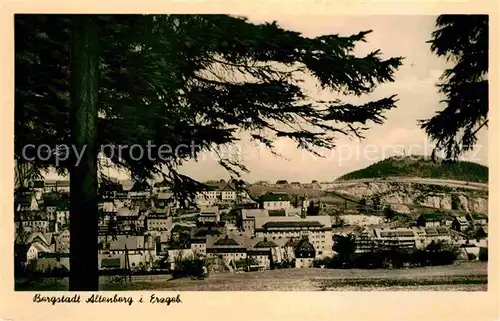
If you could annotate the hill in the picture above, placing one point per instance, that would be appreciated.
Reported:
(422, 167)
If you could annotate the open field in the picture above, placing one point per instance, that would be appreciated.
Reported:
(463, 276)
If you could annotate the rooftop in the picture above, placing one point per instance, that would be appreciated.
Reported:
(431, 217)
(284, 224)
(273, 197)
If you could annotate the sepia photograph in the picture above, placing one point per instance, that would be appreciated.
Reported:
(223, 152)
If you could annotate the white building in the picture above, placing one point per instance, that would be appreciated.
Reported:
(317, 229)
(275, 201)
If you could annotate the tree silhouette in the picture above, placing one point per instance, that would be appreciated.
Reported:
(345, 246)
(463, 39)
(195, 80)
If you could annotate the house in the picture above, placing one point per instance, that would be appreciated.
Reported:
(43, 238)
(477, 219)
(429, 220)
(158, 222)
(275, 201)
(32, 222)
(262, 253)
(460, 223)
(28, 202)
(230, 248)
(436, 234)
(62, 214)
(209, 215)
(62, 242)
(199, 238)
(164, 199)
(126, 218)
(248, 203)
(230, 218)
(34, 250)
(228, 193)
(139, 249)
(304, 253)
(246, 219)
(365, 241)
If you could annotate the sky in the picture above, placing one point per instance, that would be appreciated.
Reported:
(414, 85)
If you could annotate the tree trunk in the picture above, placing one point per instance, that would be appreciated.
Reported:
(83, 176)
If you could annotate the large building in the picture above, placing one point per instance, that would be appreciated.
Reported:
(318, 230)
(275, 201)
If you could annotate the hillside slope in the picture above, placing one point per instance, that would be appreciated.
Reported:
(423, 167)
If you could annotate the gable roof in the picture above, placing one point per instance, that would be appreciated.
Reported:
(226, 241)
(40, 247)
(265, 244)
(431, 217)
(274, 197)
(303, 245)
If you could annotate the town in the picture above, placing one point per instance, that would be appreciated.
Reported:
(142, 227)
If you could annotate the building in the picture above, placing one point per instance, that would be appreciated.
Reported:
(158, 222)
(365, 241)
(317, 229)
(141, 252)
(209, 215)
(199, 238)
(31, 222)
(62, 242)
(126, 218)
(436, 234)
(305, 253)
(261, 254)
(28, 203)
(228, 193)
(246, 219)
(460, 223)
(275, 201)
(62, 214)
(165, 199)
(34, 250)
(429, 220)
(226, 248)
(397, 237)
